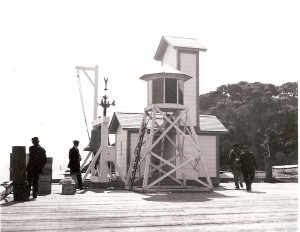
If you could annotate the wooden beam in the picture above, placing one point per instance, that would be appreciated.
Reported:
(92, 163)
(161, 165)
(87, 75)
(175, 168)
(147, 165)
(119, 171)
(172, 165)
(163, 171)
(180, 131)
(87, 157)
(85, 68)
(180, 150)
(172, 124)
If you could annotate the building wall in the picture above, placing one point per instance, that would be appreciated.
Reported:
(121, 148)
(209, 150)
(188, 63)
(170, 57)
(208, 146)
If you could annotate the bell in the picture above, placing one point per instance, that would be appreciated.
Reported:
(95, 141)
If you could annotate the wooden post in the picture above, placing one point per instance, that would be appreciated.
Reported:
(104, 145)
(18, 164)
(96, 93)
(268, 168)
(18, 173)
(148, 155)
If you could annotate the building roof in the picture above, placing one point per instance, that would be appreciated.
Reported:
(165, 71)
(177, 42)
(132, 121)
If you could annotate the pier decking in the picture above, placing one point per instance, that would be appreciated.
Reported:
(269, 207)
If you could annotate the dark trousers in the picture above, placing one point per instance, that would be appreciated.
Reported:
(79, 178)
(33, 181)
(237, 175)
(248, 178)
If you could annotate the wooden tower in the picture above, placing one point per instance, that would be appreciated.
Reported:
(159, 156)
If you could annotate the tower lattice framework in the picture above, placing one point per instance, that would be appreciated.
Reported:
(166, 123)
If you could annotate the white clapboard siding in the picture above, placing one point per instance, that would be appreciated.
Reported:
(188, 65)
(121, 148)
(208, 148)
(170, 57)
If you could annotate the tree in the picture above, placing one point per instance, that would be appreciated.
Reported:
(263, 116)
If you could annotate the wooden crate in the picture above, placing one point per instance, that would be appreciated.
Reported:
(45, 178)
(47, 170)
(68, 189)
(44, 187)
(74, 177)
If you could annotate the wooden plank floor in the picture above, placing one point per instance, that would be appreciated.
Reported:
(269, 207)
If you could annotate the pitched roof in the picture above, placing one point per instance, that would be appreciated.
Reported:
(177, 42)
(165, 71)
(132, 121)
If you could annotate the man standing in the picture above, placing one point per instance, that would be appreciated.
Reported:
(36, 163)
(248, 166)
(74, 162)
(234, 156)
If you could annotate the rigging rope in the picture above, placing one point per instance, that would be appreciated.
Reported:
(82, 103)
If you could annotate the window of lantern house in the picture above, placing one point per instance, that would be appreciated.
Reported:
(165, 90)
(158, 91)
(171, 90)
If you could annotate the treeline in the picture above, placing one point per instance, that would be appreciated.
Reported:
(262, 116)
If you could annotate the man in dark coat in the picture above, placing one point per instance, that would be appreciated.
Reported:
(36, 163)
(248, 166)
(234, 156)
(74, 162)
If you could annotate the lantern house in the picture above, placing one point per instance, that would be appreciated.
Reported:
(166, 86)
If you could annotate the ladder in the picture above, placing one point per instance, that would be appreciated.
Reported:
(137, 153)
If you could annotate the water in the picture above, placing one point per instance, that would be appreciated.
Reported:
(57, 170)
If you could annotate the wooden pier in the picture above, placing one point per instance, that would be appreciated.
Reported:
(269, 207)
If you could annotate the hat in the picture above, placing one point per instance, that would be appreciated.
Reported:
(245, 146)
(75, 141)
(35, 139)
(236, 145)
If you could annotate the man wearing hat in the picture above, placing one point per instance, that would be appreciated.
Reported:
(248, 166)
(36, 163)
(234, 156)
(74, 162)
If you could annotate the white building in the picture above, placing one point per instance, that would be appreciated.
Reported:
(173, 88)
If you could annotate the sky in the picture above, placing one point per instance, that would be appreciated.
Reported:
(42, 42)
